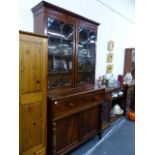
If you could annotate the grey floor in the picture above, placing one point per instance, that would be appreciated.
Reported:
(118, 139)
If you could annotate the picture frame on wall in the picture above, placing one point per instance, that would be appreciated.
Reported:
(109, 69)
(110, 57)
(111, 44)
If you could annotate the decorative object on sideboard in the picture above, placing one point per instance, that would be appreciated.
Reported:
(121, 79)
(128, 78)
(117, 110)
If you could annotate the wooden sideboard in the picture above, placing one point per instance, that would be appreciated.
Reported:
(110, 102)
(73, 119)
(126, 101)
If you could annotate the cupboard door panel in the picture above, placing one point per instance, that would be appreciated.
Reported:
(33, 126)
(41, 152)
(33, 95)
(90, 122)
(31, 72)
(67, 132)
(33, 152)
(105, 113)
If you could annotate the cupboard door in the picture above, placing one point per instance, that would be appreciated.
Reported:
(67, 133)
(33, 95)
(90, 122)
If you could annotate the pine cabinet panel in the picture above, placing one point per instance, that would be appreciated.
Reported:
(32, 125)
(41, 152)
(33, 94)
(31, 72)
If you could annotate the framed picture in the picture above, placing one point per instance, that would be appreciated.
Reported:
(109, 69)
(110, 57)
(111, 45)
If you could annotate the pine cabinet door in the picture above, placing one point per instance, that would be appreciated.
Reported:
(32, 95)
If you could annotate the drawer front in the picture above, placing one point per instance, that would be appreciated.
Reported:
(59, 107)
(73, 103)
(91, 99)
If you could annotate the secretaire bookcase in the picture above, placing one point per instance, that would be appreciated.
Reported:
(74, 105)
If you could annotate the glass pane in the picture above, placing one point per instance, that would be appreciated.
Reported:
(86, 56)
(54, 26)
(60, 51)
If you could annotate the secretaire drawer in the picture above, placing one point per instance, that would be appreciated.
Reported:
(90, 99)
(75, 103)
(62, 106)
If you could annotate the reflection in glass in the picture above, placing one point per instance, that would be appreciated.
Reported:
(60, 49)
(86, 56)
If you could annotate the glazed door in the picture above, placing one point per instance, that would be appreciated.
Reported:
(32, 85)
(86, 56)
(60, 53)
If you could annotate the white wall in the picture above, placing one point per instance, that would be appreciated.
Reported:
(116, 18)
